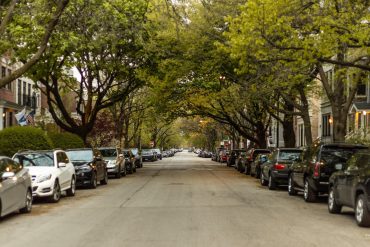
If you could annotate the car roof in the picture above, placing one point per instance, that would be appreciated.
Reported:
(78, 149)
(38, 151)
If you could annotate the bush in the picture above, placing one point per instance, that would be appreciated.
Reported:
(65, 140)
(16, 138)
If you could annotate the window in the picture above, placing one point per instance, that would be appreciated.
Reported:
(10, 85)
(10, 119)
(62, 157)
(301, 135)
(3, 71)
(326, 122)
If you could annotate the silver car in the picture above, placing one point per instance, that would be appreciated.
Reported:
(15, 187)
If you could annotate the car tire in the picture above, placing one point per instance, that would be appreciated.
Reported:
(119, 173)
(308, 194)
(131, 170)
(104, 181)
(94, 181)
(291, 188)
(333, 206)
(362, 213)
(271, 183)
(262, 180)
(28, 203)
(55, 197)
(72, 190)
(247, 170)
(134, 168)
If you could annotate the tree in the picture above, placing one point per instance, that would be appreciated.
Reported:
(106, 52)
(25, 30)
(308, 34)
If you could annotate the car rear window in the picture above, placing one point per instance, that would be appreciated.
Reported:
(289, 154)
(337, 154)
(108, 152)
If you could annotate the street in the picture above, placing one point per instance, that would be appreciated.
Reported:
(182, 201)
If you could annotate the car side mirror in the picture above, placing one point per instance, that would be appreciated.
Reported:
(7, 175)
(338, 167)
(62, 164)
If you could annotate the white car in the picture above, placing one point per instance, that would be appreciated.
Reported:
(51, 173)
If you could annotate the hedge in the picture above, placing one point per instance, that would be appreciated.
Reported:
(65, 140)
(17, 138)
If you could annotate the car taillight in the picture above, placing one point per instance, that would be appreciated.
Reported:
(278, 166)
(316, 170)
(250, 158)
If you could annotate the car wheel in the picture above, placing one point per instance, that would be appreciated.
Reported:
(271, 183)
(119, 172)
(291, 189)
(333, 206)
(308, 194)
(262, 180)
(94, 181)
(258, 174)
(104, 181)
(55, 197)
(247, 170)
(362, 213)
(131, 170)
(72, 191)
(28, 203)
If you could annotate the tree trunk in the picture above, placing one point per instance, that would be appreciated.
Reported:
(288, 127)
(261, 136)
(339, 124)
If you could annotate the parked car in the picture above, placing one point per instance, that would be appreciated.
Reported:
(223, 155)
(251, 155)
(350, 186)
(129, 160)
(240, 161)
(115, 166)
(256, 165)
(234, 153)
(138, 158)
(15, 187)
(310, 173)
(148, 155)
(158, 153)
(218, 152)
(90, 166)
(51, 173)
(275, 171)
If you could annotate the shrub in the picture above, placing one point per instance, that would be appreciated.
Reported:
(65, 140)
(16, 138)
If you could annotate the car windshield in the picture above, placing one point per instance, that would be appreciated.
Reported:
(108, 152)
(35, 159)
(80, 155)
(289, 154)
(147, 152)
(135, 151)
(157, 150)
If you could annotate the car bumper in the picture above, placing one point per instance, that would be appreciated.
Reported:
(43, 189)
(319, 186)
(112, 170)
(83, 178)
(280, 177)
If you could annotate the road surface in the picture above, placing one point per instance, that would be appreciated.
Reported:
(182, 201)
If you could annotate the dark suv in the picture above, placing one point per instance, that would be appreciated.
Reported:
(251, 155)
(311, 172)
(275, 171)
(350, 186)
(233, 156)
(89, 165)
(129, 161)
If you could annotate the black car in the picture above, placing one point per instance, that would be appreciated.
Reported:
(275, 171)
(138, 158)
(233, 156)
(256, 165)
(251, 155)
(148, 155)
(129, 161)
(350, 186)
(310, 174)
(89, 165)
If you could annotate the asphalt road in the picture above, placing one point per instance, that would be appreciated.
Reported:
(182, 201)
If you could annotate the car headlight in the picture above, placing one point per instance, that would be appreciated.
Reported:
(85, 168)
(43, 178)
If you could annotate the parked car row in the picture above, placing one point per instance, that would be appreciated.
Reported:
(47, 174)
(339, 171)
